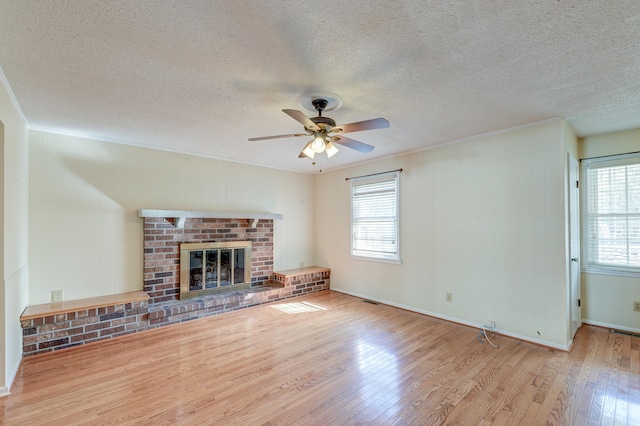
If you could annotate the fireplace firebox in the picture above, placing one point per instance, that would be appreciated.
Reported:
(210, 267)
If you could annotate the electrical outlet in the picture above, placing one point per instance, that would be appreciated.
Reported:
(636, 306)
(449, 297)
(56, 296)
(491, 325)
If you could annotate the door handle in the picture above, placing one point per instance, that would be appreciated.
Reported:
(574, 259)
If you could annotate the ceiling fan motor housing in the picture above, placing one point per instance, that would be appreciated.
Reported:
(323, 122)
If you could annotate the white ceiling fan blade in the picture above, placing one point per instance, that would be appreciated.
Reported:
(301, 118)
(264, 138)
(376, 123)
(353, 144)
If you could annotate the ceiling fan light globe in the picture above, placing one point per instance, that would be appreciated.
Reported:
(331, 150)
(308, 151)
(318, 143)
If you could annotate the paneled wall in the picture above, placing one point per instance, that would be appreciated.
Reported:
(85, 237)
(14, 264)
(483, 220)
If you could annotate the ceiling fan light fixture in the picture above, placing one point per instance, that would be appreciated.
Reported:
(331, 150)
(323, 129)
(308, 151)
(318, 143)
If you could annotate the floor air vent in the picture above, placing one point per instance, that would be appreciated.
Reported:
(370, 301)
(628, 333)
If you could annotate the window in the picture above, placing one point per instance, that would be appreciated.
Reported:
(374, 217)
(612, 218)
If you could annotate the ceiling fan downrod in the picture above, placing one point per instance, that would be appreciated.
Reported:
(319, 105)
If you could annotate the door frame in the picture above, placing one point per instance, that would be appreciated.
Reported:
(573, 262)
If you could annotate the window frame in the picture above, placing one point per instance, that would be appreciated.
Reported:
(372, 255)
(590, 265)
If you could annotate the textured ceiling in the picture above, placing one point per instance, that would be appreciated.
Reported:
(202, 76)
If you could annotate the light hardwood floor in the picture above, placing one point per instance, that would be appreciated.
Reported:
(328, 359)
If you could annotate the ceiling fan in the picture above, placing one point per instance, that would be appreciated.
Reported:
(325, 132)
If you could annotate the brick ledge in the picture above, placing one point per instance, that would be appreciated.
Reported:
(50, 309)
(302, 271)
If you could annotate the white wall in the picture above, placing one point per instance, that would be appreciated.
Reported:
(85, 237)
(483, 220)
(608, 299)
(14, 267)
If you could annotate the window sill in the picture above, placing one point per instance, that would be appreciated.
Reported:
(377, 259)
(621, 272)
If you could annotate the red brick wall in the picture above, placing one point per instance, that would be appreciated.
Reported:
(162, 250)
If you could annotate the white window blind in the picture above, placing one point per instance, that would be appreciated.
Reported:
(374, 214)
(612, 217)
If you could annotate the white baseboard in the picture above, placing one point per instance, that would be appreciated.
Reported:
(5, 390)
(459, 321)
(614, 326)
(12, 375)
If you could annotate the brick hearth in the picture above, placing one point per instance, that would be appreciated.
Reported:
(283, 285)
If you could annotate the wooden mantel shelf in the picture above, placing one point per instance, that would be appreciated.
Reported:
(181, 215)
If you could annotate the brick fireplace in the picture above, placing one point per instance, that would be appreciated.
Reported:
(162, 239)
(166, 230)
